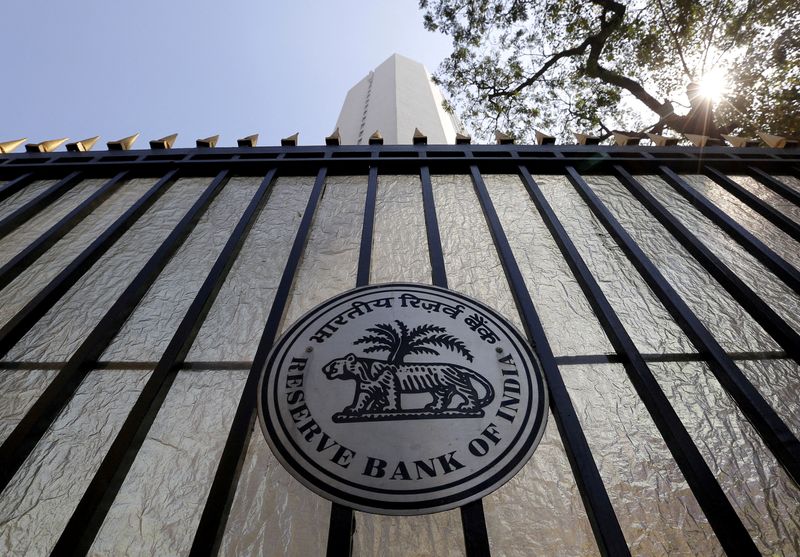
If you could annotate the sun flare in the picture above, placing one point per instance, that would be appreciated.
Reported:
(713, 85)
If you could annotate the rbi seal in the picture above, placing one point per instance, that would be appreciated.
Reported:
(402, 399)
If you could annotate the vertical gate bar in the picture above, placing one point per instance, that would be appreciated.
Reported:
(215, 513)
(775, 185)
(341, 526)
(13, 186)
(754, 202)
(17, 264)
(730, 531)
(606, 528)
(18, 325)
(38, 203)
(777, 436)
(19, 444)
(473, 520)
(771, 260)
(764, 315)
(88, 516)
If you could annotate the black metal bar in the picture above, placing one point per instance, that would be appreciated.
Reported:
(473, 521)
(730, 531)
(773, 323)
(88, 516)
(38, 203)
(775, 185)
(438, 273)
(19, 444)
(26, 257)
(13, 186)
(605, 525)
(341, 529)
(780, 440)
(215, 513)
(754, 202)
(18, 325)
(365, 252)
(772, 261)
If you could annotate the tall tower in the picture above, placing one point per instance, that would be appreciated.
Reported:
(395, 98)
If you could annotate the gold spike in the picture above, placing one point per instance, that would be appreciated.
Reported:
(739, 141)
(376, 138)
(208, 142)
(419, 138)
(47, 146)
(83, 144)
(290, 141)
(463, 139)
(779, 141)
(703, 140)
(334, 139)
(662, 140)
(503, 138)
(165, 142)
(544, 139)
(586, 139)
(627, 138)
(9, 146)
(123, 144)
(249, 141)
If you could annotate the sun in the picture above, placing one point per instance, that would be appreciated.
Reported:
(714, 85)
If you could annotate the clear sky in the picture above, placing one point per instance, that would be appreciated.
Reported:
(196, 67)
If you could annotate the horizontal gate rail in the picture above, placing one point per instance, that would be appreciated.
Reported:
(215, 513)
(732, 534)
(88, 516)
(605, 525)
(26, 257)
(777, 436)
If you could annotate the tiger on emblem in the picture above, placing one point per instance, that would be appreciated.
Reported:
(379, 384)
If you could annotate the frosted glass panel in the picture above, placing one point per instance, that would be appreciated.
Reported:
(148, 331)
(567, 318)
(40, 223)
(19, 389)
(59, 333)
(399, 244)
(730, 324)
(27, 193)
(29, 283)
(40, 498)
(161, 500)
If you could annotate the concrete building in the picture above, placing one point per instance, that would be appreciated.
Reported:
(141, 291)
(394, 99)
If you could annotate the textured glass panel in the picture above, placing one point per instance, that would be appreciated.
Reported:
(40, 498)
(759, 489)
(264, 512)
(19, 389)
(730, 324)
(27, 193)
(59, 333)
(656, 509)
(471, 261)
(773, 199)
(37, 225)
(568, 320)
(159, 505)
(650, 326)
(779, 383)
(774, 291)
(539, 511)
(757, 225)
(236, 321)
(148, 331)
(22, 289)
(399, 244)
(790, 181)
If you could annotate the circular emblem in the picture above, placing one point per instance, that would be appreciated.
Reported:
(402, 399)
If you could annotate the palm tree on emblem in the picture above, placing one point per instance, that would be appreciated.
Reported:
(401, 342)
